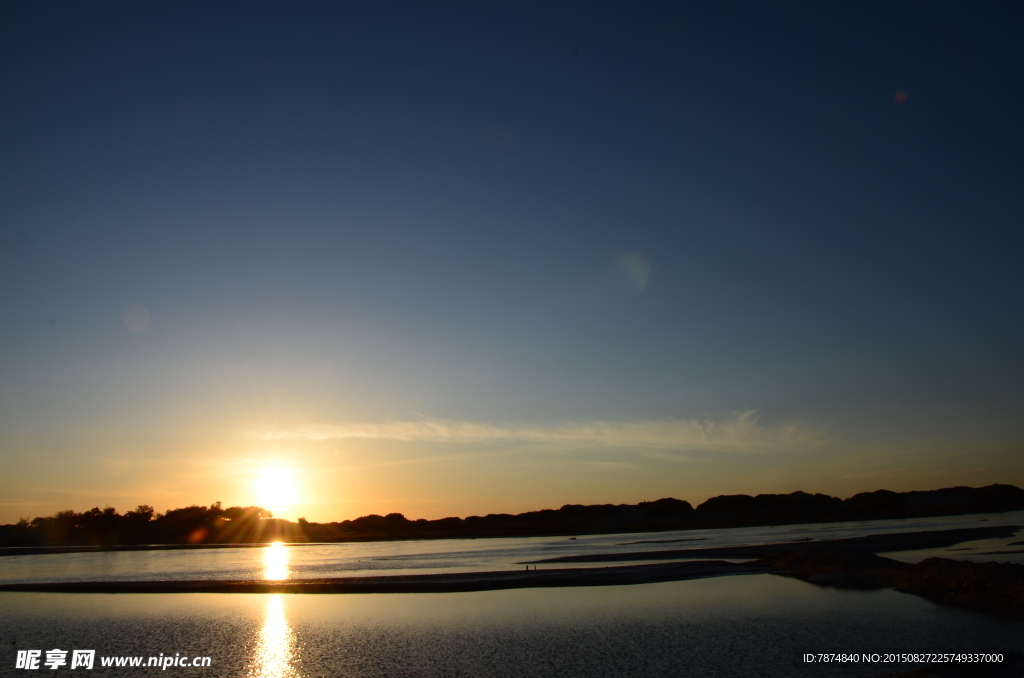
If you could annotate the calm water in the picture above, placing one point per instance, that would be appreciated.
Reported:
(462, 555)
(728, 626)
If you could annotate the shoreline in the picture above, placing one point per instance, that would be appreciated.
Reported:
(420, 583)
(872, 543)
(714, 552)
(990, 588)
(44, 550)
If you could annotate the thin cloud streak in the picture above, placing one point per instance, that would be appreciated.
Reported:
(740, 433)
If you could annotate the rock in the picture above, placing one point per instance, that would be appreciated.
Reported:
(833, 566)
(990, 587)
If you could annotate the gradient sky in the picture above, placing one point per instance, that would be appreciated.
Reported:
(338, 259)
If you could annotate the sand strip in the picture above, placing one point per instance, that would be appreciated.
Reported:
(874, 543)
(420, 583)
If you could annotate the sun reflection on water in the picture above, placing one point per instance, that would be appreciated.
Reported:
(274, 656)
(275, 562)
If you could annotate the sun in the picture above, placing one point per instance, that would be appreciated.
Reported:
(275, 488)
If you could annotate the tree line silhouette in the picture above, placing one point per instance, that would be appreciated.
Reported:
(188, 525)
(252, 524)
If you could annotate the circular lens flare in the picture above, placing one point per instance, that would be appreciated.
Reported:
(633, 272)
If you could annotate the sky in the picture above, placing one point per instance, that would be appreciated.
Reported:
(336, 259)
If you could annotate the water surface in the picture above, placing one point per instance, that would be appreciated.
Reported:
(465, 555)
(729, 626)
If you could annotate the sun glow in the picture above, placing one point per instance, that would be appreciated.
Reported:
(275, 488)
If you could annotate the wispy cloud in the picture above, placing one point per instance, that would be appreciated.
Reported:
(917, 473)
(741, 432)
(885, 473)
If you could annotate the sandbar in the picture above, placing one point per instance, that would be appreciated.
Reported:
(419, 583)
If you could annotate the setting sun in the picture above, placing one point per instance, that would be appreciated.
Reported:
(275, 488)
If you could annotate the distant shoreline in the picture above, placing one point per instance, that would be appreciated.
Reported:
(900, 541)
(219, 527)
(42, 550)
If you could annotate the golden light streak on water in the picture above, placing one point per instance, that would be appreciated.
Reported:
(275, 655)
(275, 562)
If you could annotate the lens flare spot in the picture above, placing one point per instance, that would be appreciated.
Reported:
(198, 535)
(136, 318)
(900, 97)
(633, 272)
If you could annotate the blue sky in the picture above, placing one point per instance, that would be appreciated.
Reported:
(464, 259)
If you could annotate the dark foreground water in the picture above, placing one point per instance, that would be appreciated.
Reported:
(727, 626)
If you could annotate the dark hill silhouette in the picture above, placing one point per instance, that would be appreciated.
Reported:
(216, 525)
(770, 507)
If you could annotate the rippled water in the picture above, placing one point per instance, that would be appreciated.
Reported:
(463, 555)
(728, 626)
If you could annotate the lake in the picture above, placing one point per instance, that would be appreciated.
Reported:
(752, 625)
(726, 626)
